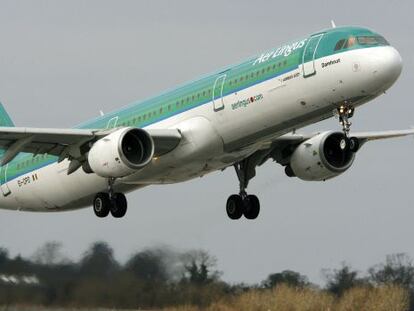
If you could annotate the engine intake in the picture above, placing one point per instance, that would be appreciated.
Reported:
(322, 157)
(121, 153)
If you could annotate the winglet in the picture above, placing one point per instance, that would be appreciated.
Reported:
(5, 119)
(333, 24)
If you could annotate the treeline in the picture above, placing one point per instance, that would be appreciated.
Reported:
(161, 278)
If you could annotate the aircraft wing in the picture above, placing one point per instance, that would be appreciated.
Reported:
(280, 149)
(69, 143)
(362, 136)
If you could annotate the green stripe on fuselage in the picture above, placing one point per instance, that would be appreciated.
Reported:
(191, 95)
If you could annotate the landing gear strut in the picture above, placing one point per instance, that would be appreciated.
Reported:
(105, 202)
(345, 112)
(242, 203)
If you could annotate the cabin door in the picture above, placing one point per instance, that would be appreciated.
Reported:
(308, 58)
(218, 100)
(112, 123)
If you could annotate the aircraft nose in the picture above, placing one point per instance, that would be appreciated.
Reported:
(388, 65)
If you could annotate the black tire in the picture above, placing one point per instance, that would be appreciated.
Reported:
(119, 205)
(289, 172)
(251, 207)
(353, 144)
(234, 207)
(101, 205)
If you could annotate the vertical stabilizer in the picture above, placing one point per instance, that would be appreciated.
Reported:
(5, 119)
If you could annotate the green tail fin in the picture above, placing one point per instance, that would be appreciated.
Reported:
(5, 119)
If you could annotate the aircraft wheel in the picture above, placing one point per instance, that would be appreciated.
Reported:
(119, 205)
(101, 204)
(234, 207)
(251, 207)
(353, 144)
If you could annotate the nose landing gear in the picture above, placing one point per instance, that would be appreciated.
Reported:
(110, 202)
(242, 203)
(344, 113)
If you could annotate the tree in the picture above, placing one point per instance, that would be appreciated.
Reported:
(98, 261)
(199, 267)
(148, 265)
(288, 277)
(4, 256)
(398, 269)
(49, 254)
(343, 279)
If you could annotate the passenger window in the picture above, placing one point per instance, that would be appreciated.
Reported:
(339, 45)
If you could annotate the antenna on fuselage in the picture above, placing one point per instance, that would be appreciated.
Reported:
(333, 24)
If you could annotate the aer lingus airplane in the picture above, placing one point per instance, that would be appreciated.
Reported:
(241, 116)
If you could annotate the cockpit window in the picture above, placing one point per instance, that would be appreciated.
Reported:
(372, 40)
(350, 42)
(339, 45)
(345, 43)
(367, 40)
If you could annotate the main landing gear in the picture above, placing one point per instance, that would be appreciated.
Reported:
(242, 203)
(110, 202)
(345, 112)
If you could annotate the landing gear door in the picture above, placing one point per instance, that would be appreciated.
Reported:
(218, 100)
(309, 54)
(3, 180)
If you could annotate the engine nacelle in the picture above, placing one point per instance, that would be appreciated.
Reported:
(321, 157)
(121, 153)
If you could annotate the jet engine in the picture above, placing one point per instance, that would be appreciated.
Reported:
(322, 157)
(121, 153)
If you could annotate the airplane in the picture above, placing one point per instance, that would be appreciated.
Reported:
(240, 116)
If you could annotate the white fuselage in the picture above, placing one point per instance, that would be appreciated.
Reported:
(216, 138)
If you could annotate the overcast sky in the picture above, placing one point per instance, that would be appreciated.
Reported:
(61, 62)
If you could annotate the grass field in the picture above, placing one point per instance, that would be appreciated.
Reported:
(389, 298)
(283, 298)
